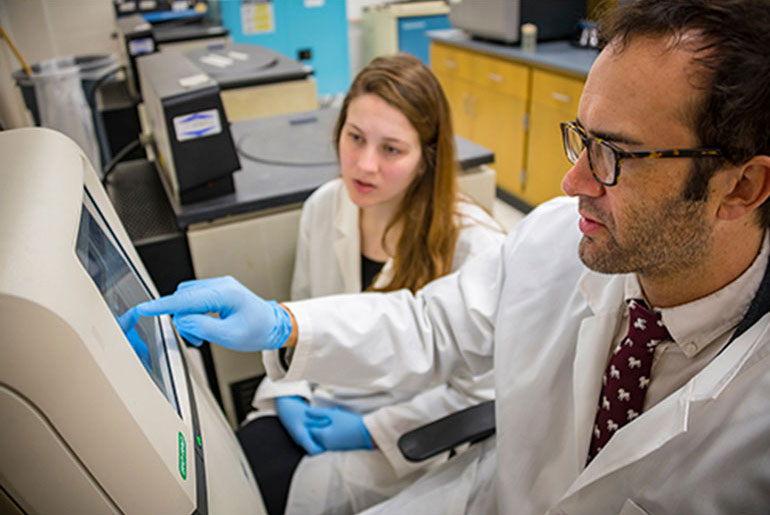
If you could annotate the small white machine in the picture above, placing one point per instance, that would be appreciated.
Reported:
(91, 420)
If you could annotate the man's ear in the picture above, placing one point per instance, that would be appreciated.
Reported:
(750, 187)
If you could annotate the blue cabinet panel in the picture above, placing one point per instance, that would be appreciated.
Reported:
(411, 34)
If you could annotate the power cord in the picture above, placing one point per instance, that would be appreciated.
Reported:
(144, 139)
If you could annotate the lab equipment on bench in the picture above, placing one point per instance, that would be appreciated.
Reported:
(500, 20)
(192, 141)
(139, 37)
(257, 81)
(191, 98)
(97, 418)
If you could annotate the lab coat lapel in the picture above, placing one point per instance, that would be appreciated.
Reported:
(669, 418)
(604, 295)
(652, 429)
(347, 242)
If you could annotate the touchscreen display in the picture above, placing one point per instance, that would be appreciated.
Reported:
(122, 289)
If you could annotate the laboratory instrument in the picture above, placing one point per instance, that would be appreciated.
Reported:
(97, 417)
(500, 20)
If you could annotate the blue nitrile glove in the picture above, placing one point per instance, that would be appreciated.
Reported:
(127, 323)
(246, 322)
(291, 411)
(337, 429)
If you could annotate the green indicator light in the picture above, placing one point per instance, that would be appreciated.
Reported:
(198, 439)
(182, 456)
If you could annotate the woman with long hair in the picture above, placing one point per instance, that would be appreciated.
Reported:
(393, 220)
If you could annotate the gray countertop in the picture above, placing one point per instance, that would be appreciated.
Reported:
(554, 55)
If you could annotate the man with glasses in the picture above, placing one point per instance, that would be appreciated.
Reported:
(628, 325)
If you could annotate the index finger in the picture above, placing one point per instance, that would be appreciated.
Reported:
(180, 302)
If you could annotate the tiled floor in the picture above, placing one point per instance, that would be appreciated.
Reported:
(506, 215)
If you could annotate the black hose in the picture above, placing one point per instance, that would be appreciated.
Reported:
(122, 153)
(91, 97)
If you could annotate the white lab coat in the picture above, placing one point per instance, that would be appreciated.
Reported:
(705, 449)
(328, 261)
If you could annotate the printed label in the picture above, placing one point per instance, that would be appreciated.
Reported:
(197, 125)
(257, 17)
(141, 46)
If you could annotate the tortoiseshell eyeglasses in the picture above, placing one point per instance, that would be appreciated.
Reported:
(605, 158)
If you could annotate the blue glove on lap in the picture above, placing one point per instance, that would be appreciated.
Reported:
(246, 322)
(291, 411)
(338, 430)
(127, 323)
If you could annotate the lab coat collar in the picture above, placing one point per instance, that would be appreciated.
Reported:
(347, 241)
(604, 295)
(347, 246)
(669, 417)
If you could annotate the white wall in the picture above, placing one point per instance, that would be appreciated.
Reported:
(44, 29)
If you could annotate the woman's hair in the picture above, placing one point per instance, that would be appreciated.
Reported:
(425, 249)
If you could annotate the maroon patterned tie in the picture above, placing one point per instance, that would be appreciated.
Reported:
(625, 381)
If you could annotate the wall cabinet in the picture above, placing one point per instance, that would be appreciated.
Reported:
(554, 99)
(514, 109)
(488, 98)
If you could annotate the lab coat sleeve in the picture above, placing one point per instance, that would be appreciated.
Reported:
(386, 425)
(479, 232)
(269, 390)
(406, 341)
(301, 288)
(411, 342)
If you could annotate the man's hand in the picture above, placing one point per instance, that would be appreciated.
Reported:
(246, 322)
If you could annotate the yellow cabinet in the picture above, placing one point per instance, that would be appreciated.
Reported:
(499, 125)
(554, 99)
(513, 109)
(488, 97)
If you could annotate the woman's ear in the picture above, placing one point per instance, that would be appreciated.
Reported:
(749, 188)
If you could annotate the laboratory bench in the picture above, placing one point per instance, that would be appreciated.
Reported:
(511, 102)
(251, 233)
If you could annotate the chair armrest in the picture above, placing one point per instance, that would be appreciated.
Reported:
(468, 425)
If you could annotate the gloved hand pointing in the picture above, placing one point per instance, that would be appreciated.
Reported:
(246, 322)
(337, 429)
(291, 411)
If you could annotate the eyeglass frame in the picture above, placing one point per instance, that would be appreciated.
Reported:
(620, 154)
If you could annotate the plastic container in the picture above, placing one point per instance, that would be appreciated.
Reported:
(59, 96)
(528, 37)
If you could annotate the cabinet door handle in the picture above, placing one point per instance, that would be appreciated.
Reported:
(561, 97)
(494, 77)
(469, 105)
(448, 63)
